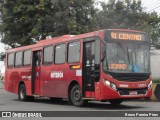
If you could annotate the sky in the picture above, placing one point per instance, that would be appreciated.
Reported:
(149, 5)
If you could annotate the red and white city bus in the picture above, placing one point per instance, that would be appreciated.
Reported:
(106, 65)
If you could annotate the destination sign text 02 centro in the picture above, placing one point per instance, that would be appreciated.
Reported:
(127, 36)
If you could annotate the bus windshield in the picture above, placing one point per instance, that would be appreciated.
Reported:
(127, 58)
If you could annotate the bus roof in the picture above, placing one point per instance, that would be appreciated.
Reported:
(54, 40)
(64, 38)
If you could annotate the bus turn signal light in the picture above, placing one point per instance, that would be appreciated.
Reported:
(75, 66)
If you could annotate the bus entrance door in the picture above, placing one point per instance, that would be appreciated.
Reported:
(36, 62)
(88, 69)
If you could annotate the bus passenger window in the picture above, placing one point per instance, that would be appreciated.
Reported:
(27, 58)
(11, 60)
(18, 59)
(73, 52)
(60, 54)
(48, 55)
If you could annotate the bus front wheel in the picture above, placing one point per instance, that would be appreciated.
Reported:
(76, 96)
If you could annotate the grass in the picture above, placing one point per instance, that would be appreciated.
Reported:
(156, 80)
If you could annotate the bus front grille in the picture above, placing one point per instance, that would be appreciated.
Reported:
(127, 91)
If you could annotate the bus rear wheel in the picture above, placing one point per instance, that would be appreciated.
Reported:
(22, 94)
(116, 101)
(76, 96)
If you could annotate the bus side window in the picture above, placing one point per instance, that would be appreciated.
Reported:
(73, 52)
(60, 53)
(18, 59)
(27, 58)
(10, 60)
(48, 55)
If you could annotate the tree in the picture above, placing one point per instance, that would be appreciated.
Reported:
(128, 14)
(26, 21)
(73, 16)
(154, 21)
(23, 20)
(121, 14)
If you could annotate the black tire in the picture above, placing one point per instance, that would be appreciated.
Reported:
(116, 101)
(22, 93)
(76, 96)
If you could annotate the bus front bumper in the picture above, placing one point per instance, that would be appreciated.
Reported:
(121, 93)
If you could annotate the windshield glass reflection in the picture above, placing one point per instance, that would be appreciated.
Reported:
(127, 58)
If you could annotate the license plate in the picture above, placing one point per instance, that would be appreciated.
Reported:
(133, 93)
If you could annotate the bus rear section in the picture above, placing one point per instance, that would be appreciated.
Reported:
(106, 65)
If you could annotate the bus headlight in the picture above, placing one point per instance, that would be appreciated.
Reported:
(150, 84)
(113, 86)
(108, 83)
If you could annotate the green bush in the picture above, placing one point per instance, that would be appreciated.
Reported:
(156, 80)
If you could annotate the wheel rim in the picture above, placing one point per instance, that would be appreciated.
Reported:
(22, 92)
(77, 95)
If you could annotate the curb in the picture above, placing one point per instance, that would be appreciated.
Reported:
(155, 92)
